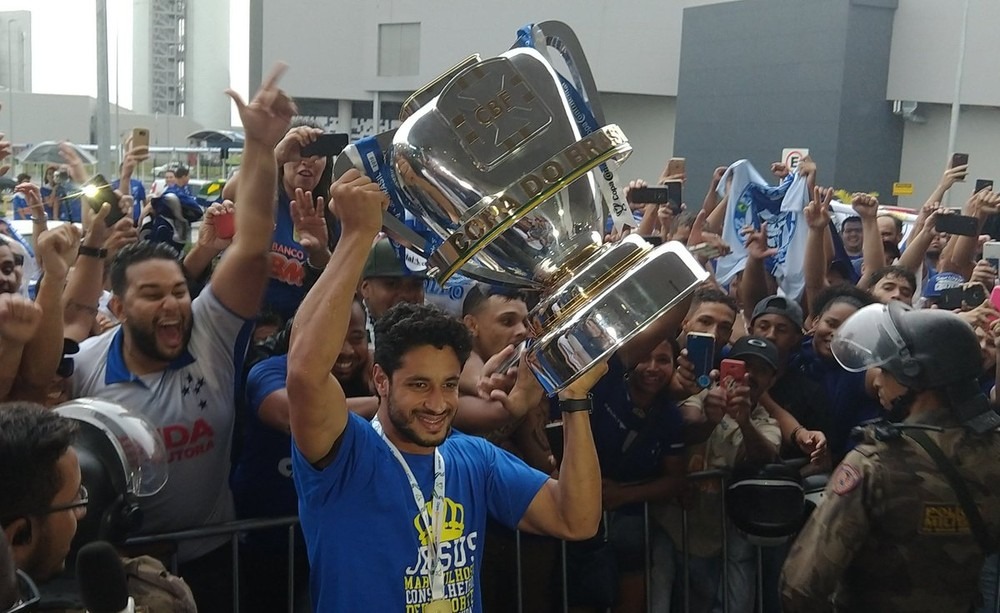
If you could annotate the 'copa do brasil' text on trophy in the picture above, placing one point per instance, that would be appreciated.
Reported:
(509, 167)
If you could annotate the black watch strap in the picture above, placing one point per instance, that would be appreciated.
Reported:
(93, 252)
(578, 404)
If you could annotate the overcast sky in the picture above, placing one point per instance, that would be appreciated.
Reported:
(64, 45)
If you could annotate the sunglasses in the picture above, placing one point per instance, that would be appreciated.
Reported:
(28, 594)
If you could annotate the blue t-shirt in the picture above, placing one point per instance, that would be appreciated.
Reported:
(138, 192)
(362, 532)
(849, 402)
(69, 210)
(286, 288)
(262, 478)
(630, 445)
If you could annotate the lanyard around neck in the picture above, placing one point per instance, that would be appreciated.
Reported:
(433, 529)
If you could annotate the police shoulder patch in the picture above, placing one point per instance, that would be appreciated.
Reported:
(846, 479)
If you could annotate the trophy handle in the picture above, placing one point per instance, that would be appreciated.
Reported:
(563, 39)
(398, 231)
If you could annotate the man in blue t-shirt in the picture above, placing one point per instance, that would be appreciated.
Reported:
(394, 511)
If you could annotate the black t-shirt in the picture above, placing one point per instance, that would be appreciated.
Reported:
(806, 400)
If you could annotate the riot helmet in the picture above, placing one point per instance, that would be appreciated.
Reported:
(927, 349)
(122, 459)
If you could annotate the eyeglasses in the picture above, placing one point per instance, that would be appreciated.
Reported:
(27, 592)
(80, 502)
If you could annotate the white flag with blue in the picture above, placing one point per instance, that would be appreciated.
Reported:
(752, 201)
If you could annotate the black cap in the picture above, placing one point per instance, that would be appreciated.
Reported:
(754, 346)
(779, 305)
(384, 262)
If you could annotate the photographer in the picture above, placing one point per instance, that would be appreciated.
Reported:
(55, 193)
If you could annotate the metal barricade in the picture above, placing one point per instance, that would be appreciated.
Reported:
(233, 530)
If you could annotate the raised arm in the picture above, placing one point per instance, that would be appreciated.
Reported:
(960, 254)
(872, 249)
(42, 354)
(753, 284)
(316, 401)
(19, 319)
(916, 248)
(209, 245)
(712, 195)
(241, 277)
(818, 218)
(570, 507)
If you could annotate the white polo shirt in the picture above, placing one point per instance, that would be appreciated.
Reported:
(192, 405)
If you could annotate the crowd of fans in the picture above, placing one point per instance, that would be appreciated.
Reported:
(194, 336)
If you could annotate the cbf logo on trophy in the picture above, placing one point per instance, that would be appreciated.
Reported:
(511, 168)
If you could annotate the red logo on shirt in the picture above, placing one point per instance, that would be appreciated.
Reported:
(185, 442)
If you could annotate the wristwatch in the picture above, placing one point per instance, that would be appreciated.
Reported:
(93, 252)
(577, 404)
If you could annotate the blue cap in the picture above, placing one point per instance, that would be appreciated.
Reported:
(942, 281)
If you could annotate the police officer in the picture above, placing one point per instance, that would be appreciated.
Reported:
(891, 533)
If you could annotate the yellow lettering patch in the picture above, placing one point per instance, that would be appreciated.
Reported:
(944, 519)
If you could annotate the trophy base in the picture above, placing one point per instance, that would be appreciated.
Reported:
(635, 285)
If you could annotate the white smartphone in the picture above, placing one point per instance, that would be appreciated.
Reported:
(991, 253)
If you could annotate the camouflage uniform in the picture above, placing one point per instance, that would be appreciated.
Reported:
(890, 534)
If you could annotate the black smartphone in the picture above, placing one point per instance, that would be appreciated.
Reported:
(965, 225)
(327, 144)
(96, 192)
(959, 159)
(968, 297)
(668, 194)
(649, 195)
(675, 195)
(982, 184)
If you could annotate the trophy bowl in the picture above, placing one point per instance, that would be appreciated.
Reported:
(504, 163)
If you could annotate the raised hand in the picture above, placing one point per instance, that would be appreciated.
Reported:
(780, 170)
(19, 318)
(121, 234)
(358, 202)
(207, 236)
(865, 205)
(985, 274)
(755, 242)
(57, 250)
(309, 221)
(33, 196)
(951, 175)
(818, 210)
(77, 171)
(266, 118)
(984, 203)
(289, 149)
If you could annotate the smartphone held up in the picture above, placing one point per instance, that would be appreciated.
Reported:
(96, 192)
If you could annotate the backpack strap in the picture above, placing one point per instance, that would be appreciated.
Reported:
(959, 486)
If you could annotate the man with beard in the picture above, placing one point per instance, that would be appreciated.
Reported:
(175, 360)
(394, 511)
(907, 518)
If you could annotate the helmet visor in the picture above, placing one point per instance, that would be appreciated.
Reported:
(867, 339)
(139, 446)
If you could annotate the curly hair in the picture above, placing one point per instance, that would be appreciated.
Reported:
(32, 440)
(407, 326)
(710, 294)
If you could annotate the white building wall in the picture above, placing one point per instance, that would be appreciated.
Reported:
(631, 47)
(207, 63)
(925, 151)
(925, 48)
